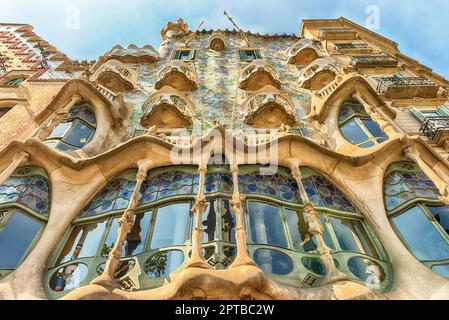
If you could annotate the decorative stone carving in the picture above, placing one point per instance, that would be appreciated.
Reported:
(174, 29)
(19, 159)
(258, 74)
(269, 108)
(177, 74)
(318, 74)
(303, 52)
(167, 108)
(131, 54)
(115, 76)
(217, 41)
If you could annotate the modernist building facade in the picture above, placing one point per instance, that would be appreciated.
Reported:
(225, 165)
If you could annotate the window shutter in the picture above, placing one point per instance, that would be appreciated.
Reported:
(242, 54)
(192, 54)
(443, 111)
(417, 114)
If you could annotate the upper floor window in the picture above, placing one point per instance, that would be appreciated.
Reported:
(420, 219)
(351, 46)
(184, 54)
(249, 54)
(14, 82)
(357, 126)
(4, 110)
(76, 131)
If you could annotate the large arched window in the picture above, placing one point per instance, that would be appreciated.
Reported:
(24, 210)
(159, 241)
(357, 126)
(420, 219)
(279, 238)
(76, 131)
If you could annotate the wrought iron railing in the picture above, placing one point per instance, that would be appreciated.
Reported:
(432, 126)
(396, 82)
(374, 60)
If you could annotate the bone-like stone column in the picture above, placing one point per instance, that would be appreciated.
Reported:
(196, 259)
(47, 126)
(413, 154)
(20, 158)
(126, 223)
(376, 116)
(238, 199)
(316, 229)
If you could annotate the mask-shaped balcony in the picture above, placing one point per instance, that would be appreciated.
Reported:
(383, 61)
(115, 76)
(177, 74)
(217, 41)
(167, 109)
(269, 108)
(303, 52)
(318, 74)
(131, 54)
(436, 129)
(337, 33)
(407, 87)
(257, 75)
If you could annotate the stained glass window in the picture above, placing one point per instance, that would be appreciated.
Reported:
(323, 194)
(357, 127)
(218, 182)
(403, 185)
(76, 131)
(32, 192)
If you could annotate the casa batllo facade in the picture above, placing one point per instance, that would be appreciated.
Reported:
(225, 165)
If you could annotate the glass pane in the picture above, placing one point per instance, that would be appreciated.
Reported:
(65, 147)
(274, 262)
(441, 214)
(421, 236)
(315, 265)
(135, 240)
(368, 144)
(83, 242)
(364, 269)
(68, 277)
(351, 235)
(15, 239)
(266, 224)
(172, 225)
(353, 133)
(209, 222)
(60, 130)
(441, 270)
(228, 221)
(374, 128)
(163, 263)
(80, 135)
(298, 231)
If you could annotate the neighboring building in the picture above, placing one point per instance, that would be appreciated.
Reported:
(224, 165)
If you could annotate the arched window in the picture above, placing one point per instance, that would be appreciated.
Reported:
(15, 82)
(24, 210)
(76, 131)
(156, 245)
(279, 238)
(357, 126)
(420, 219)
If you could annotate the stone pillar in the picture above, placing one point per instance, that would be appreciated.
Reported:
(20, 158)
(196, 258)
(124, 228)
(413, 154)
(47, 126)
(375, 116)
(238, 199)
(316, 229)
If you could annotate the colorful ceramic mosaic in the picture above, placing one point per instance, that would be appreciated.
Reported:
(274, 186)
(173, 183)
(218, 182)
(115, 196)
(32, 192)
(402, 187)
(323, 194)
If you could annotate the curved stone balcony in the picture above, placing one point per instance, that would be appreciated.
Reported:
(167, 108)
(303, 52)
(115, 76)
(132, 54)
(318, 74)
(177, 74)
(217, 41)
(269, 108)
(257, 75)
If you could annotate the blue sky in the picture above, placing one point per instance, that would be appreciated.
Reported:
(420, 29)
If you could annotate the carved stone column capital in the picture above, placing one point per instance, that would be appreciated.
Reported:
(76, 98)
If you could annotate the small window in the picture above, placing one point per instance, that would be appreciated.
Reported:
(249, 54)
(4, 110)
(184, 55)
(14, 82)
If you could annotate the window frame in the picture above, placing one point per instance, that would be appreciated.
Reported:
(177, 51)
(257, 53)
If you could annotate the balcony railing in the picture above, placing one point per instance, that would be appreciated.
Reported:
(258, 67)
(175, 70)
(433, 127)
(407, 87)
(374, 61)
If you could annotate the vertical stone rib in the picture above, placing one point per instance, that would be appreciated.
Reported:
(20, 158)
(316, 229)
(125, 226)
